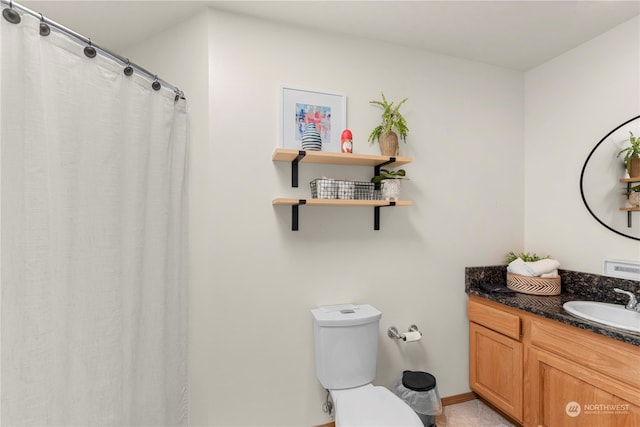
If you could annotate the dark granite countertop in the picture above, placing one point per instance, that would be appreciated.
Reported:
(575, 286)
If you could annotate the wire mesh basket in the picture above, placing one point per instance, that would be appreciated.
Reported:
(366, 191)
(324, 188)
(346, 190)
(327, 188)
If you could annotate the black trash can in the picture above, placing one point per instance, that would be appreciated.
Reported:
(418, 390)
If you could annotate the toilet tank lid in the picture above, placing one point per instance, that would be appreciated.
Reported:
(345, 315)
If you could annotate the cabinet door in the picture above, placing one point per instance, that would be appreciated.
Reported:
(495, 369)
(561, 393)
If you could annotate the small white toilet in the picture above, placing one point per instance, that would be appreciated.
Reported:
(346, 348)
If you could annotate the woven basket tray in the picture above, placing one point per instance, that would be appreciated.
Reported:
(533, 285)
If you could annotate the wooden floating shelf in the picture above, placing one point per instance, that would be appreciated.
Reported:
(376, 204)
(630, 179)
(329, 158)
(339, 202)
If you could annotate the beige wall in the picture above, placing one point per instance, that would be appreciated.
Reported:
(572, 102)
(253, 280)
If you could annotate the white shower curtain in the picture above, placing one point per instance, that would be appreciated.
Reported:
(93, 239)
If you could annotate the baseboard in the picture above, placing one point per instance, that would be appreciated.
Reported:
(458, 398)
(446, 401)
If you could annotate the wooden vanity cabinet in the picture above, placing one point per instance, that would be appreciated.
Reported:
(568, 377)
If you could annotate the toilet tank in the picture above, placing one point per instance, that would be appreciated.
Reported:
(346, 344)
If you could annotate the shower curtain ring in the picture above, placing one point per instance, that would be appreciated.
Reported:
(11, 15)
(156, 84)
(44, 28)
(90, 51)
(128, 70)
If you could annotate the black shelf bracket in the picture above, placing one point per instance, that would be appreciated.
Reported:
(628, 212)
(376, 170)
(294, 167)
(376, 209)
(376, 215)
(294, 214)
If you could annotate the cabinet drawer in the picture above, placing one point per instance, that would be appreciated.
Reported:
(497, 320)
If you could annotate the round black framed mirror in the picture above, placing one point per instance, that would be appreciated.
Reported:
(603, 192)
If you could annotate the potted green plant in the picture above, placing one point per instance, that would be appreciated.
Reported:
(632, 156)
(391, 120)
(390, 182)
(389, 174)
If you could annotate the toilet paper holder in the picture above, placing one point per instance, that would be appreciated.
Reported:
(392, 332)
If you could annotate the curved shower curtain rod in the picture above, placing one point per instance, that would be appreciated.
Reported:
(90, 50)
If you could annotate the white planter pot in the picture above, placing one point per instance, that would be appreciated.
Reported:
(391, 189)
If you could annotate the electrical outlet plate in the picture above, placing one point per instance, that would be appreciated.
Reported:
(622, 269)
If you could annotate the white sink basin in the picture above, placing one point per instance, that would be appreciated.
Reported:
(613, 315)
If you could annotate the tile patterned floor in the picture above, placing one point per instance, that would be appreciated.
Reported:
(473, 413)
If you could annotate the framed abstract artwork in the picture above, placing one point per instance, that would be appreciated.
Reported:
(326, 110)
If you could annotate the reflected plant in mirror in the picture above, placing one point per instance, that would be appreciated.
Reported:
(632, 156)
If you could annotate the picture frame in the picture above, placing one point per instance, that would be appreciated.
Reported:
(300, 106)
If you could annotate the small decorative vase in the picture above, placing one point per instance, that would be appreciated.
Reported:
(634, 199)
(388, 144)
(391, 189)
(311, 140)
(634, 167)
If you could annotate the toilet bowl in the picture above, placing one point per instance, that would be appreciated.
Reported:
(346, 351)
(371, 405)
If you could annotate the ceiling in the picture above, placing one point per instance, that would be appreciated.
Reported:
(515, 34)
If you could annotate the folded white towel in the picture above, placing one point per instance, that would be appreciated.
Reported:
(518, 266)
(544, 266)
